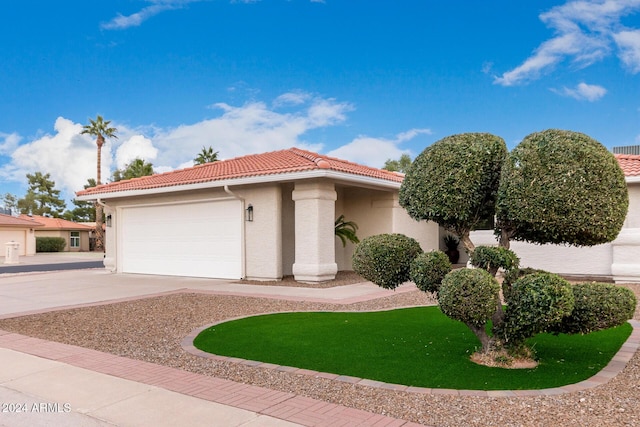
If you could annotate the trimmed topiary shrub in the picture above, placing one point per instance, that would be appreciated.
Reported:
(537, 303)
(598, 306)
(454, 182)
(560, 187)
(428, 269)
(511, 276)
(50, 244)
(470, 296)
(492, 258)
(385, 259)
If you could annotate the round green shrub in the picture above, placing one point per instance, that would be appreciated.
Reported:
(454, 181)
(385, 259)
(469, 295)
(598, 306)
(428, 269)
(537, 303)
(492, 258)
(511, 276)
(560, 187)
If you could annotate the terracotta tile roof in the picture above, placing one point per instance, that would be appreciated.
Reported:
(55, 223)
(630, 164)
(12, 221)
(272, 163)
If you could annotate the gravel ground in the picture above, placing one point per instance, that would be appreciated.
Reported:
(152, 329)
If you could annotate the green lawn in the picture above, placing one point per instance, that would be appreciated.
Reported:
(413, 346)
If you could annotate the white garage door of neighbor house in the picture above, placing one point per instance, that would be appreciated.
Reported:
(18, 236)
(191, 239)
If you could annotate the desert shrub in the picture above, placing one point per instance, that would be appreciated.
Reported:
(428, 269)
(598, 306)
(50, 244)
(469, 295)
(537, 303)
(560, 187)
(511, 276)
(492, 258)
(385, 259)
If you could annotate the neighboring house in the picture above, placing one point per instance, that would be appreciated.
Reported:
(75, 235)
(259, 216)
(619, 259)
(15, 229)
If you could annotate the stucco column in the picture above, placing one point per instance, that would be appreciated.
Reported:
(315, 236)
(110, 240)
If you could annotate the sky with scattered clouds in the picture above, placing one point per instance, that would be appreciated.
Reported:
(360, 80)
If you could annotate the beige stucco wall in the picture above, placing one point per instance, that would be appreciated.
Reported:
(626, 248)
(263, 235)
(378, 212)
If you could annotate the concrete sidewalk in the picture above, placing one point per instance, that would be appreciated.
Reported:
(55, 257)
(44, 383)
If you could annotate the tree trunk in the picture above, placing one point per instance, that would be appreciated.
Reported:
(99, 232)
(466, 242)
(505, 237)
(485, 339)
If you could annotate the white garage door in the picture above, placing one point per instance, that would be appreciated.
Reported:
(7, 236)
(192, 239)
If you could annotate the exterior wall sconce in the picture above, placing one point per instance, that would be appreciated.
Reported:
(108, 221)
(248, 214)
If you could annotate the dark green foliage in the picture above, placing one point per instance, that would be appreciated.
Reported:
(454, 182)
(428, 269)
(598, 306)
(50, 244)
(492, 258)
(385, 259)
(346, 230)
(561, 187)
(206, 155)
(469, 295)
(135, 169)
(42, 197)
(401, 165)
(511, 276)
(537, 303)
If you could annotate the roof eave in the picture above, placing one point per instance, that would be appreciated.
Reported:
(260, 179)
(633, 179)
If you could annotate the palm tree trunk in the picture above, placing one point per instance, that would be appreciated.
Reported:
(99, 232)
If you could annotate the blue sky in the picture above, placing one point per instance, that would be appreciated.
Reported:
(358, 79)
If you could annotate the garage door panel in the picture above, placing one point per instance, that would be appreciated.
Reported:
(195, 239)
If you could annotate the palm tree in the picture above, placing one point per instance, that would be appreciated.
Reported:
(101, 130)
(346, 230)
(206, 155)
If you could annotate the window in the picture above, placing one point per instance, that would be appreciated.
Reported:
(75, 239)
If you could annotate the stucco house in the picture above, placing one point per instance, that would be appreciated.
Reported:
(75, 235)
(22, 231)
(260, 216)
(619, 259)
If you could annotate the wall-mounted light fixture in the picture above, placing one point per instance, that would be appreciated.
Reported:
(108, 220)
(248, 214)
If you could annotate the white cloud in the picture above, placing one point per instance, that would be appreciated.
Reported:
(375, 151)
(121, 22)
(136, 147)
(629, 44)
(68, 156)
(291, 98)
(585, 31)
(584, 92)
(8, 142)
